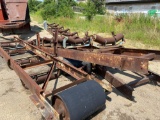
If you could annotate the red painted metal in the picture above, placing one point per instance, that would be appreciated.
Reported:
(14, 14)
(16, 9)
(1, 13)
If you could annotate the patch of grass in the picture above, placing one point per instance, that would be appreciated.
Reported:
(139, 28)
(36, 16)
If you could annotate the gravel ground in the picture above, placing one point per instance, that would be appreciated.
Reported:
(16, 105)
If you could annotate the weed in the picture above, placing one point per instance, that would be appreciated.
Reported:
(135, 27)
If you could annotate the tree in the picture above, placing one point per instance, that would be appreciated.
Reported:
(100, 6)
(90, 10)
(64, 8)
(49, 10)
(48, 1)
(57, 8)
(33, 5)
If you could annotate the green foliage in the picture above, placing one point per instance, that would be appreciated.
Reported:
(136, 27)
(49, 10)
(81, 4)
(34, 5)
(90, 10)
(57, 8)
(47, 1)
(100, 6)
(73, 3)
(64, 8)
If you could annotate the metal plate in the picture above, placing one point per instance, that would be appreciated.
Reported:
(16, 9)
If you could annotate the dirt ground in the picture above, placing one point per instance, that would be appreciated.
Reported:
(15, 103)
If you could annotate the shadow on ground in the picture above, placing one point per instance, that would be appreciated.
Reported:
(25, 35)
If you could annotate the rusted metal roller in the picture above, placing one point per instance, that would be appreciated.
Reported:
(119, 36)
(50, 40)
(59, 28)
(39, 79)
(28, 60)
(79, 102)
(77, 40)
(11, 45)
(45, 39)
(16, 51)
(8, 45)
(64, 31)
(60, 39)
(111, 40)
(70, 34)
(53, 25)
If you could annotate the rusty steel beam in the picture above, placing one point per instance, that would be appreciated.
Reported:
(122, 62)
(116, 57)
(35, 50)
(73, 71)
(38, 93)
(76, 73)
(49, 93)
(137, 64)
(22, 74)
(139, 52)
(137, 83)
(155, 77)
(47, 111)
(151, 78)
(53, 67)
(149, 56)
(119, 85)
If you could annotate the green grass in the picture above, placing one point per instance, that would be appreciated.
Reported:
(135, 27)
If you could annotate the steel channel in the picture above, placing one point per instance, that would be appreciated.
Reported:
(140, 52)
(48, 93)
(73, 71)
(28, 81)
(139, 82)
(125, 89)
(122, 62)
(119, 85)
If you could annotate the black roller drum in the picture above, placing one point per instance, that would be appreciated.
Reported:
(78, 102)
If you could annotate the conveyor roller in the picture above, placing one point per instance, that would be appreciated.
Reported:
(78, 102)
